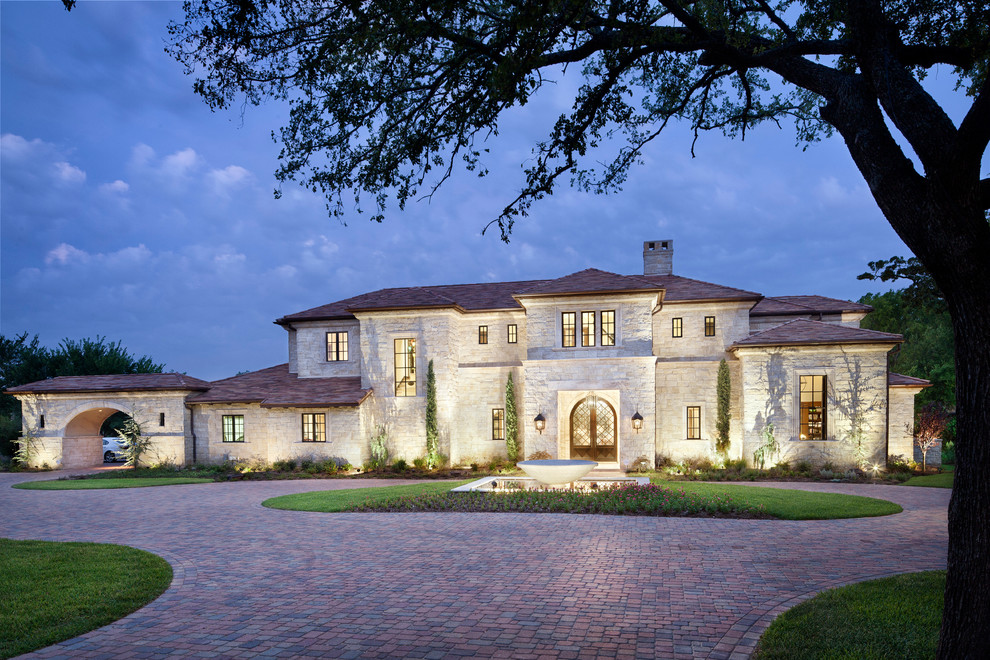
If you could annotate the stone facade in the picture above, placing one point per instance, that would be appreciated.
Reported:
(648, 344)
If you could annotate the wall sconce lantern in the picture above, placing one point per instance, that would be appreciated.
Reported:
(637, 421)
(541, 423)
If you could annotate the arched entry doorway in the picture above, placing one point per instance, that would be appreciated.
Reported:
(82, 444)
(593, 430)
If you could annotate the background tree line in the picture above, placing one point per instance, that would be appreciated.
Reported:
(24, 360)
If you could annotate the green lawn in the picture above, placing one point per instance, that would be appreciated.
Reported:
(941, 480)
(92, 484)
(792, 504)
(56, 591)
(328, 501)
(897, 617)
(781, 503)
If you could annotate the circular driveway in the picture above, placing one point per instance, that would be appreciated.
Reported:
(251, 581)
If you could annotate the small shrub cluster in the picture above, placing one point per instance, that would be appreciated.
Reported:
(539, 456)
(632, 500)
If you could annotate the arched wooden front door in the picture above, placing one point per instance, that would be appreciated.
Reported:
(593, 430)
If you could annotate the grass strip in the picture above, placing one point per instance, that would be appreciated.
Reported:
(99, 484)
(895, 617)
(793, 504)
(55, 591)
(330, 501)
(942, 480)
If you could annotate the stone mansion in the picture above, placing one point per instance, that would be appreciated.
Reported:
(607, 367)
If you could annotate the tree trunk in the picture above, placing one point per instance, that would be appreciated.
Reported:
(966, 619)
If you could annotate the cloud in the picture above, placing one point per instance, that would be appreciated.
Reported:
(179, 164)
(69, 173)
(65, 254)
(117, 187)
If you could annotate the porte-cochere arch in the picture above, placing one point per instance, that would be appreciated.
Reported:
(62, 416)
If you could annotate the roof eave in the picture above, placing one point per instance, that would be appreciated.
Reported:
(827, 342)
(609, 292)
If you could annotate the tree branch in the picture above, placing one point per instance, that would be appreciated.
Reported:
(974, 131)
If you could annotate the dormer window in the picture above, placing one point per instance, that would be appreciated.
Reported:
(336, 347)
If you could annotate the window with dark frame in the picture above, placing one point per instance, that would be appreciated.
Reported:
(161, 419)
(677, 327)
(498, 423)
(608, 328)
(568, 329)
(405, 367)
(813, 408)
(513, 331)
(709, 326)
(336, 346)
(233, 428)
(314, 427)
(482, 334)
(694, 423)
(587, 328)
(41, 421)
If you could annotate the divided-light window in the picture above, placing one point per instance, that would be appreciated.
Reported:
(587, 328)
(677, 327)
(336, 346)
(498, 424)
(233, 428)
(709, 326)
(813, 408)
(513, 333)
(608, 328)
(314, 427)
(568, 329)
(482, 334)
(694, 422)
(405, 367)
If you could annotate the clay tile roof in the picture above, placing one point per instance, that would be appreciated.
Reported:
(784, 305)
(117, 382)
(275, 387)
(683, 289)
(900, 380)
(590, 280)
(805, 332)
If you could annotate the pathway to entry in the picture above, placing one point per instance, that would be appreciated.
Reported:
(251, 581)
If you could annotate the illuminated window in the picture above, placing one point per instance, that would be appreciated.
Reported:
(314, 427)
(513, 333)
(608, 328)
(482, 334)
(405, 367)
(587, 328)
(812, 407)
(709, 326)
(694, 422)
(568, 321)
(498, 424)
(677, 327)
(233, 428)
(336, 346)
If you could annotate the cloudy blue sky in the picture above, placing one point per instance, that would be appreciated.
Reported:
(131, 211)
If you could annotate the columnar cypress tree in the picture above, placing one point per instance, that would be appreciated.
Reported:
(511, 422)
(723, 391)
(432, 435)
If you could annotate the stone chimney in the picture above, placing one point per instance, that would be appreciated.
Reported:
(658, 257)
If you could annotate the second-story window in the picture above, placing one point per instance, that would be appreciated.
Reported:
(405, 367)
(336, 347)
(587, 328)
(568, 329)
(677, 327)
(608, 328)
(513, 333)
(709, 326)
(482, 334)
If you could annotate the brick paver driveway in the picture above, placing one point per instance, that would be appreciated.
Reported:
(251, 581)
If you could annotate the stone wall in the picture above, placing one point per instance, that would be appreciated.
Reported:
(855, 401)
(310, 349)
(731, 325)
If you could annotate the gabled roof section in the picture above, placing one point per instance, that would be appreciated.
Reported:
(685, 289)
(802, 332)
(900, 380)
(788, 305)
(113, 383)
(589, 281)
(275, 387)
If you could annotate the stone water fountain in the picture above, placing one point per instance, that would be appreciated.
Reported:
(549, 473)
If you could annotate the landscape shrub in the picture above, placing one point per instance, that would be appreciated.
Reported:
(662, 461)
(539, 456)
(400, 465)
(804, 467)
(419, 463)
(641, 464)
(284, 465)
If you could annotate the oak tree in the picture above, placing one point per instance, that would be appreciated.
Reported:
(386, 98)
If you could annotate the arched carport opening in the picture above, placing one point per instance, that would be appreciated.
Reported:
(82, 443)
